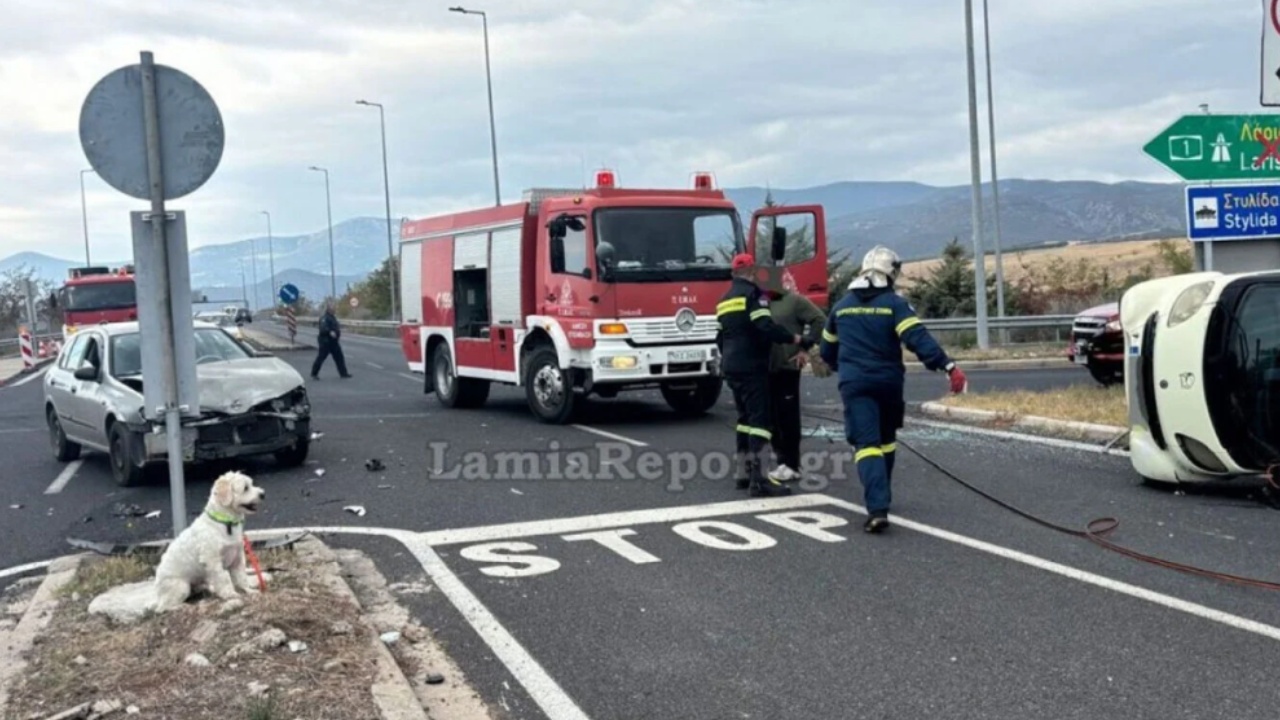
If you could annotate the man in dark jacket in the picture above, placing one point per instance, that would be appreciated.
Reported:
(863, 341)
(329, 343)
(746, 337)
(794, 312)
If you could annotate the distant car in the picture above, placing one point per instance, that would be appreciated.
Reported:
(1097, 342)
(250, 404)
(243, 316)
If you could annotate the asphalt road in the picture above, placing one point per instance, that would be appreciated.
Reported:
(609, 569)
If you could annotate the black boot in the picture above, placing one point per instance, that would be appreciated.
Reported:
(877, 523)
(762, 486)
(742, 479)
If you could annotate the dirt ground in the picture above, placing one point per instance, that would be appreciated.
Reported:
(297, 651)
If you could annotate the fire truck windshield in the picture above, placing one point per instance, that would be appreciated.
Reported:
(657, 244)
(99, 296)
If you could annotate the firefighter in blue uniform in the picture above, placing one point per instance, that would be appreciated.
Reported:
(746, 338)
(863, 341)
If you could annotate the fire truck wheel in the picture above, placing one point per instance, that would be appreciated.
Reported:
(547, 387)
(695, 400)
(453, 391)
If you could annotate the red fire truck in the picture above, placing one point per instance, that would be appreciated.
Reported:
(590, 291)
(92, 295)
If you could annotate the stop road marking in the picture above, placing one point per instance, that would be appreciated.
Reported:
(516, 558)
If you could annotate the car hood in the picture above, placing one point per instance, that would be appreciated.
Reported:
(1103, 311)
(237, 385)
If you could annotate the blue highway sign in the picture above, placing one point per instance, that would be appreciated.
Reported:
(289, 293)
(1233, 212)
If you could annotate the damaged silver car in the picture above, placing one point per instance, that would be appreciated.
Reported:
(250, 403)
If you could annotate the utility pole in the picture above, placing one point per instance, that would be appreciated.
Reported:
(995, 178)
(386, 189)
(975, 166)
(271, 260)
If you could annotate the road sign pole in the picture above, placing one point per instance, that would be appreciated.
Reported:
(975, 164)
(172, 413)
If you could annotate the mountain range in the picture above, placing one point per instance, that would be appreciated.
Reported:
(914, 219)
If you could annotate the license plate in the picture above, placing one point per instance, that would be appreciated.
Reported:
(686, 355)
(1082, 354)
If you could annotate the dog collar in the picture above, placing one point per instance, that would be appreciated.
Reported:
(222, 518)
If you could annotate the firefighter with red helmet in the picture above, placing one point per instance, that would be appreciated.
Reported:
(863, 341)
(746, 337)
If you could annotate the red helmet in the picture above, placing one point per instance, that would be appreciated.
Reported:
(743, 260)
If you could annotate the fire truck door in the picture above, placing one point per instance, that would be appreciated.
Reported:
(790, 247)
(569, 291)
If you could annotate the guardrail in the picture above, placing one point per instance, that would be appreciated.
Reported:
(10, 346)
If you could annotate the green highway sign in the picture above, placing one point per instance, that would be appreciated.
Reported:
(1220, 147)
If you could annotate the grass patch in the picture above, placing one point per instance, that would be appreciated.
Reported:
(1099, 405)
(1031, 351)
(98, 574)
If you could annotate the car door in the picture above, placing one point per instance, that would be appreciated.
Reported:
(790, 247)
(60, 384)
(86, 395)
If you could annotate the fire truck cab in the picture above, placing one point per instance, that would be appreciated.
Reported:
(590, 291)
(93, 295)
(1202, 376)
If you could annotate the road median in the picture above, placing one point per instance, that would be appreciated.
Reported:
(1075, 413)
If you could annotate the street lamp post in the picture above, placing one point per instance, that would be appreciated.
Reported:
(386, 189)
(328, 203)
(975, 167)
(493, 133)
(253, 264)
(271, 259)
(995, 178)
(84, 216)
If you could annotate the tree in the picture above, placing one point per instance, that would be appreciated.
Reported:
(373, 293)
(1176, 256)
(950, 289)
(13, 288)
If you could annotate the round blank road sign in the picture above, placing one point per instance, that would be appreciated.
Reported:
(355, 302)
(113, 133)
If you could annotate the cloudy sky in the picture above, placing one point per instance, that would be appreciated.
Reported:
(792, 93)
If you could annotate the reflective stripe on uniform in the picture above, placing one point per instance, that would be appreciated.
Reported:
(907, 324)
(864, 311)
(758, 432)
(829, 336)
(868, 453)
(762, 312)
(738, 304)
(890, 448)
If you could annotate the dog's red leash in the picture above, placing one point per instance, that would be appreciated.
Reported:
(253, 560)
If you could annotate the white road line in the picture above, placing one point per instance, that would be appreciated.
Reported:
(64, 477)
(21, 569)
(611, 436)
(1021, 437)
(619, 519)
(1084, 576)
(27, 379)
(10, 431)
(382, 416)
(374, 365)
(407, 376)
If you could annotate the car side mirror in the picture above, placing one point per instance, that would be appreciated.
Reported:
(779, 249)
(87, 372)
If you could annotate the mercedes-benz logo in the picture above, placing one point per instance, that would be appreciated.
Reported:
(685, 320)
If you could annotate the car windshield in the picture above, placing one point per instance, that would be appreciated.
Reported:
(99, 296)
(212, 345)
(664, 243)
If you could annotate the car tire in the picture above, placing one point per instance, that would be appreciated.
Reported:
(451, 390)
(63, 449)
(1106, 374)
(123, 444)
(691, 402)
(548, 388)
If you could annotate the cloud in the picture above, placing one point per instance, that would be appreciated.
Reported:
(759, 91)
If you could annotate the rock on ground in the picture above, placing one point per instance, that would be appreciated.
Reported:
(126, 603)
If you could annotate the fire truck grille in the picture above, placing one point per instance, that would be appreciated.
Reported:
(654, 331)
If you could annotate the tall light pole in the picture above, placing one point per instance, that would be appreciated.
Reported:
(975, 166)
(271, 259)
(386, 188)
(995, 178)
(244, 289)
(328, 203)
(253, 263)
(84, 216)
(493, 133)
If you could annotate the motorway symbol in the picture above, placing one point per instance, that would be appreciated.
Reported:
(289, 293)
(1220, 147)
(1233, 212)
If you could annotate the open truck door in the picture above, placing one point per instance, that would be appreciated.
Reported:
(790, 248)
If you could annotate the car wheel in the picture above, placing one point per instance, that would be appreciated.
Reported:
(123, 445)
(291, 457)
(63, 449)
(1106, 374)
(694, 400)
(453, 391)
(548, 389)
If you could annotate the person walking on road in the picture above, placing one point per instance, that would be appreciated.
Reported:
(746, 337)
(329, 343)
(863, 341)
(798, 316)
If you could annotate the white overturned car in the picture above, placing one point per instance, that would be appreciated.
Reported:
(250, 404)
(1202, 376)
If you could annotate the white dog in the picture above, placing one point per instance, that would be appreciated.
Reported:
(209, 554)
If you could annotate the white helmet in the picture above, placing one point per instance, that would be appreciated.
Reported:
(880, 268)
